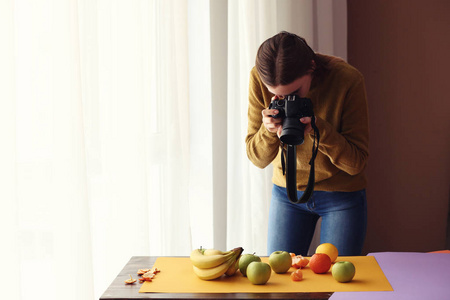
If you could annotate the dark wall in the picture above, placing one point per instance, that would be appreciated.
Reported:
(402, 48)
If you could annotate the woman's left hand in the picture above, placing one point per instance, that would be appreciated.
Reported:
(307, 122)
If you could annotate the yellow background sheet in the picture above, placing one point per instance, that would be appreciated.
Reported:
(177, 276)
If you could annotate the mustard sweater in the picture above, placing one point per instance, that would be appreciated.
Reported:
(340, 106)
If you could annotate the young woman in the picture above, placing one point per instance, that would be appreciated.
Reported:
(286, 65)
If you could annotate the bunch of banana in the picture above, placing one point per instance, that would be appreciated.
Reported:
(211, 264)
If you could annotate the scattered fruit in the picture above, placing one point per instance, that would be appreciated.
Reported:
(258, 272)
(320, 263)
(131, 280)
(343, 271)
(297, 275)
(298, 261)
(147, 274)
(245, 260)
(142, 279)
(142, 271)
(280, 261)
(328, 249)
(209, 267)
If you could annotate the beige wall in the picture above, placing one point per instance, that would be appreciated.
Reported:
(403, 49)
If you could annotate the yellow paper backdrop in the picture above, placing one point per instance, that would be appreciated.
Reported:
(177, 276)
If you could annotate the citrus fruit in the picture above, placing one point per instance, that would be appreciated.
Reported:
(297, 275)
(328, 249)
(320, 263)
(298, 261)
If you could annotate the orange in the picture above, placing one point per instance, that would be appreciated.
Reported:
(328, 249)
(297, 275)
(304, 262)
(299, 261)
(320, 263)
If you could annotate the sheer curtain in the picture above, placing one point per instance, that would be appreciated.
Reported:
(97, 135)
(122, 126)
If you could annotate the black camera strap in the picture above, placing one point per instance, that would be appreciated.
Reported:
(290, 168)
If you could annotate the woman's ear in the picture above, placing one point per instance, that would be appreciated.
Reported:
(313, 65)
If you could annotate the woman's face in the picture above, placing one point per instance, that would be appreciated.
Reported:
(300, 87)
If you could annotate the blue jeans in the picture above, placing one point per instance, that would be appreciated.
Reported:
(344, 221)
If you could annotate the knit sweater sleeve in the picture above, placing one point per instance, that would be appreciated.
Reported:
(262, 145)
(347, 147)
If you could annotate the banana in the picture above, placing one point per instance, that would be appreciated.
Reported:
(233, 268)
(202, 261)
(212, 252)
(218, 270)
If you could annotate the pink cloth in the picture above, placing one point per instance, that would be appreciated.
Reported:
(411, 275)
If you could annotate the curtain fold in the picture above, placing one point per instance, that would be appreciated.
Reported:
(122, 128)
(9, 253)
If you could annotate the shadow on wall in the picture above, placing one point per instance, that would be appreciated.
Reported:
(401, 47)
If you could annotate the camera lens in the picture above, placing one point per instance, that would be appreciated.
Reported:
(293, 131)
(280, 102)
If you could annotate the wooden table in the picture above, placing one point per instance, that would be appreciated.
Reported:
(118, 290)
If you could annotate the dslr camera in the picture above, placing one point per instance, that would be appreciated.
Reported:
(291, 108)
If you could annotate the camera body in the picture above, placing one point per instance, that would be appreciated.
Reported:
(291, 108)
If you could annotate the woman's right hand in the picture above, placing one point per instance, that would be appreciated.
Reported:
(273, 125)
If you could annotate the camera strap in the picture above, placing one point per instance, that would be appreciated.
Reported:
(290, 168)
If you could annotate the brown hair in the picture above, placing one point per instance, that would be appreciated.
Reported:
(283, 58)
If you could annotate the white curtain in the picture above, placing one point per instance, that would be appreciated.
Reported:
(122, 127)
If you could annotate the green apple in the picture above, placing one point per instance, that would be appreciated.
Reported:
(245, 260)
(280, 261)
(258, 272)
(343, 271)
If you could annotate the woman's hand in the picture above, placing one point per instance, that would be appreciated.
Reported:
(273, 125)
(307, 122)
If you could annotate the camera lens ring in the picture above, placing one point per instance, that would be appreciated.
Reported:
(280, 102)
